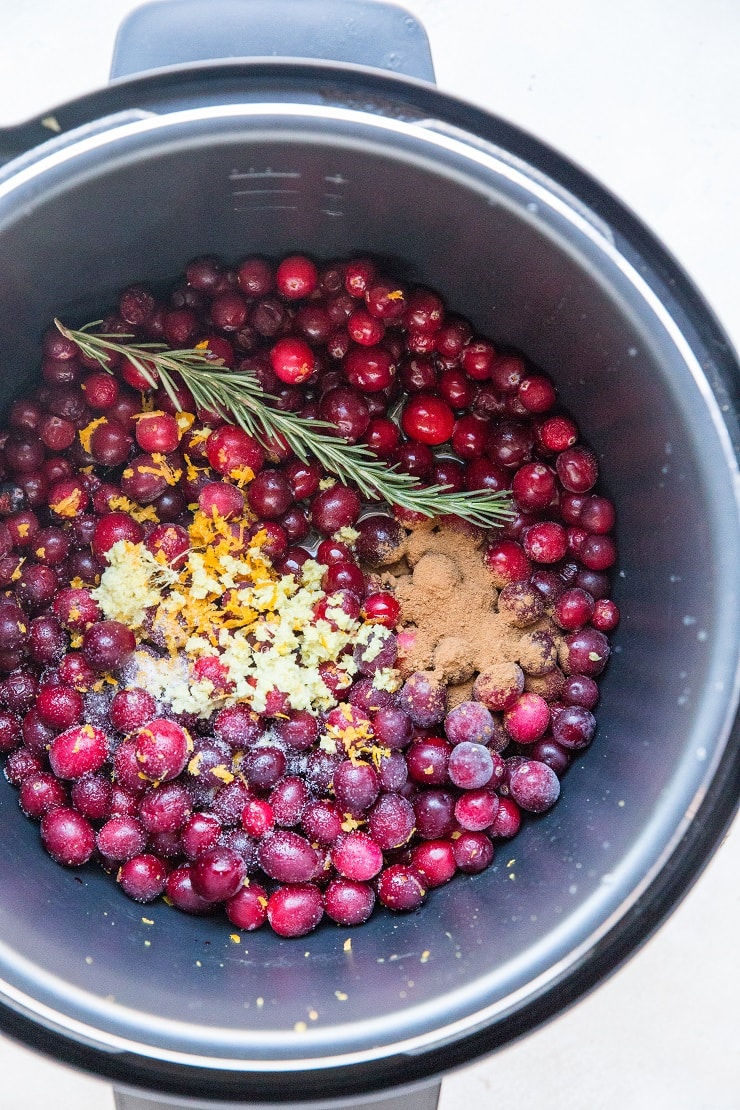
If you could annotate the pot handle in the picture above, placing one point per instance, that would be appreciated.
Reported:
(420, 1099)
(172, 32)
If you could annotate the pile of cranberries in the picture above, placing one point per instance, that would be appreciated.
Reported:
(292, 831)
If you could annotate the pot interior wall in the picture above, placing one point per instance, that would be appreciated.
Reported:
(528, 274)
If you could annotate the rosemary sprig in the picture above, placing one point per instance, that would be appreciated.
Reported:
(240, 399)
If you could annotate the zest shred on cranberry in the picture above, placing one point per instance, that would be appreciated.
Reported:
(203, 779)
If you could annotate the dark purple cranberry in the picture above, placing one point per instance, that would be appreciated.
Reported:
(218, 873)
(107, 644)
(347, 411)
(67, 836)
(335, 508)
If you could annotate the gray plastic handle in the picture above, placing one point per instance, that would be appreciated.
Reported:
(365, 32)
(425, 1098)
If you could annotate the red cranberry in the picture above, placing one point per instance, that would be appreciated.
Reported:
(427, 419)
(295, 910)
(296, 277)
(112, 528)
(292, 360)
(369, 369)
(335, 508)
(400, 888)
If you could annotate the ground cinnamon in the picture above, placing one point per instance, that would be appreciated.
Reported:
(452, 625)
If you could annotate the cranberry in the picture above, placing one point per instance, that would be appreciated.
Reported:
(400, 888)
(247, 909)
(143, 877)
(269, 494)
(382, 436)
(534, 786)
(292, 360)
(296, 277)
(585, 652)
(347, 411)
(473, 852)
(605, 616)
(255, 277)
(427, 419)
(67, 836)
(385, 301)
(107, 644)
(577, 469)
(59, 706)
(369, 369)
(294, 911)
(335, 508)
(469, 436)
(545, 542)
(40, 793)
(91, 796)
(507, 562)
(348, 902)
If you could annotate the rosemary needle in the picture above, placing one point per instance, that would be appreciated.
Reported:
(240, 399)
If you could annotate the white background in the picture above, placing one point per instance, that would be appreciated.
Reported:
(645, 95)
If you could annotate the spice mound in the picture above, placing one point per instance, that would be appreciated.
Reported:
(233, 630)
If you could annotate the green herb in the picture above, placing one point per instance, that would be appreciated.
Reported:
(239, 398)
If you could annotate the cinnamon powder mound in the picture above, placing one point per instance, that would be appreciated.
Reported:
(450, 624)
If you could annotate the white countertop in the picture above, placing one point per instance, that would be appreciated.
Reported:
(644, 95)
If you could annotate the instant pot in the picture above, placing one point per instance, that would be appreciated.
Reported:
(358, 152)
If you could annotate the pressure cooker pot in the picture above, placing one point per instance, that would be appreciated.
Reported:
(270, 157)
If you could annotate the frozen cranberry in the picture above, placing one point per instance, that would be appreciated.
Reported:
(67, 836)
(121, 838)
(40, 793)
(585, 652)
(77, 751)
(348, 902)
(247, 909)
(427, 760)
(294, 911)
(143, 877)
(534, 786)
(59, 706)
(107, 644)
(391, 821)
(199, 834)
(400, 888)
(356, 856)
(473, 852)
(527, 719)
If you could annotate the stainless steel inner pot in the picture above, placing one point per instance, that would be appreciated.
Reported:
(272, 157)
